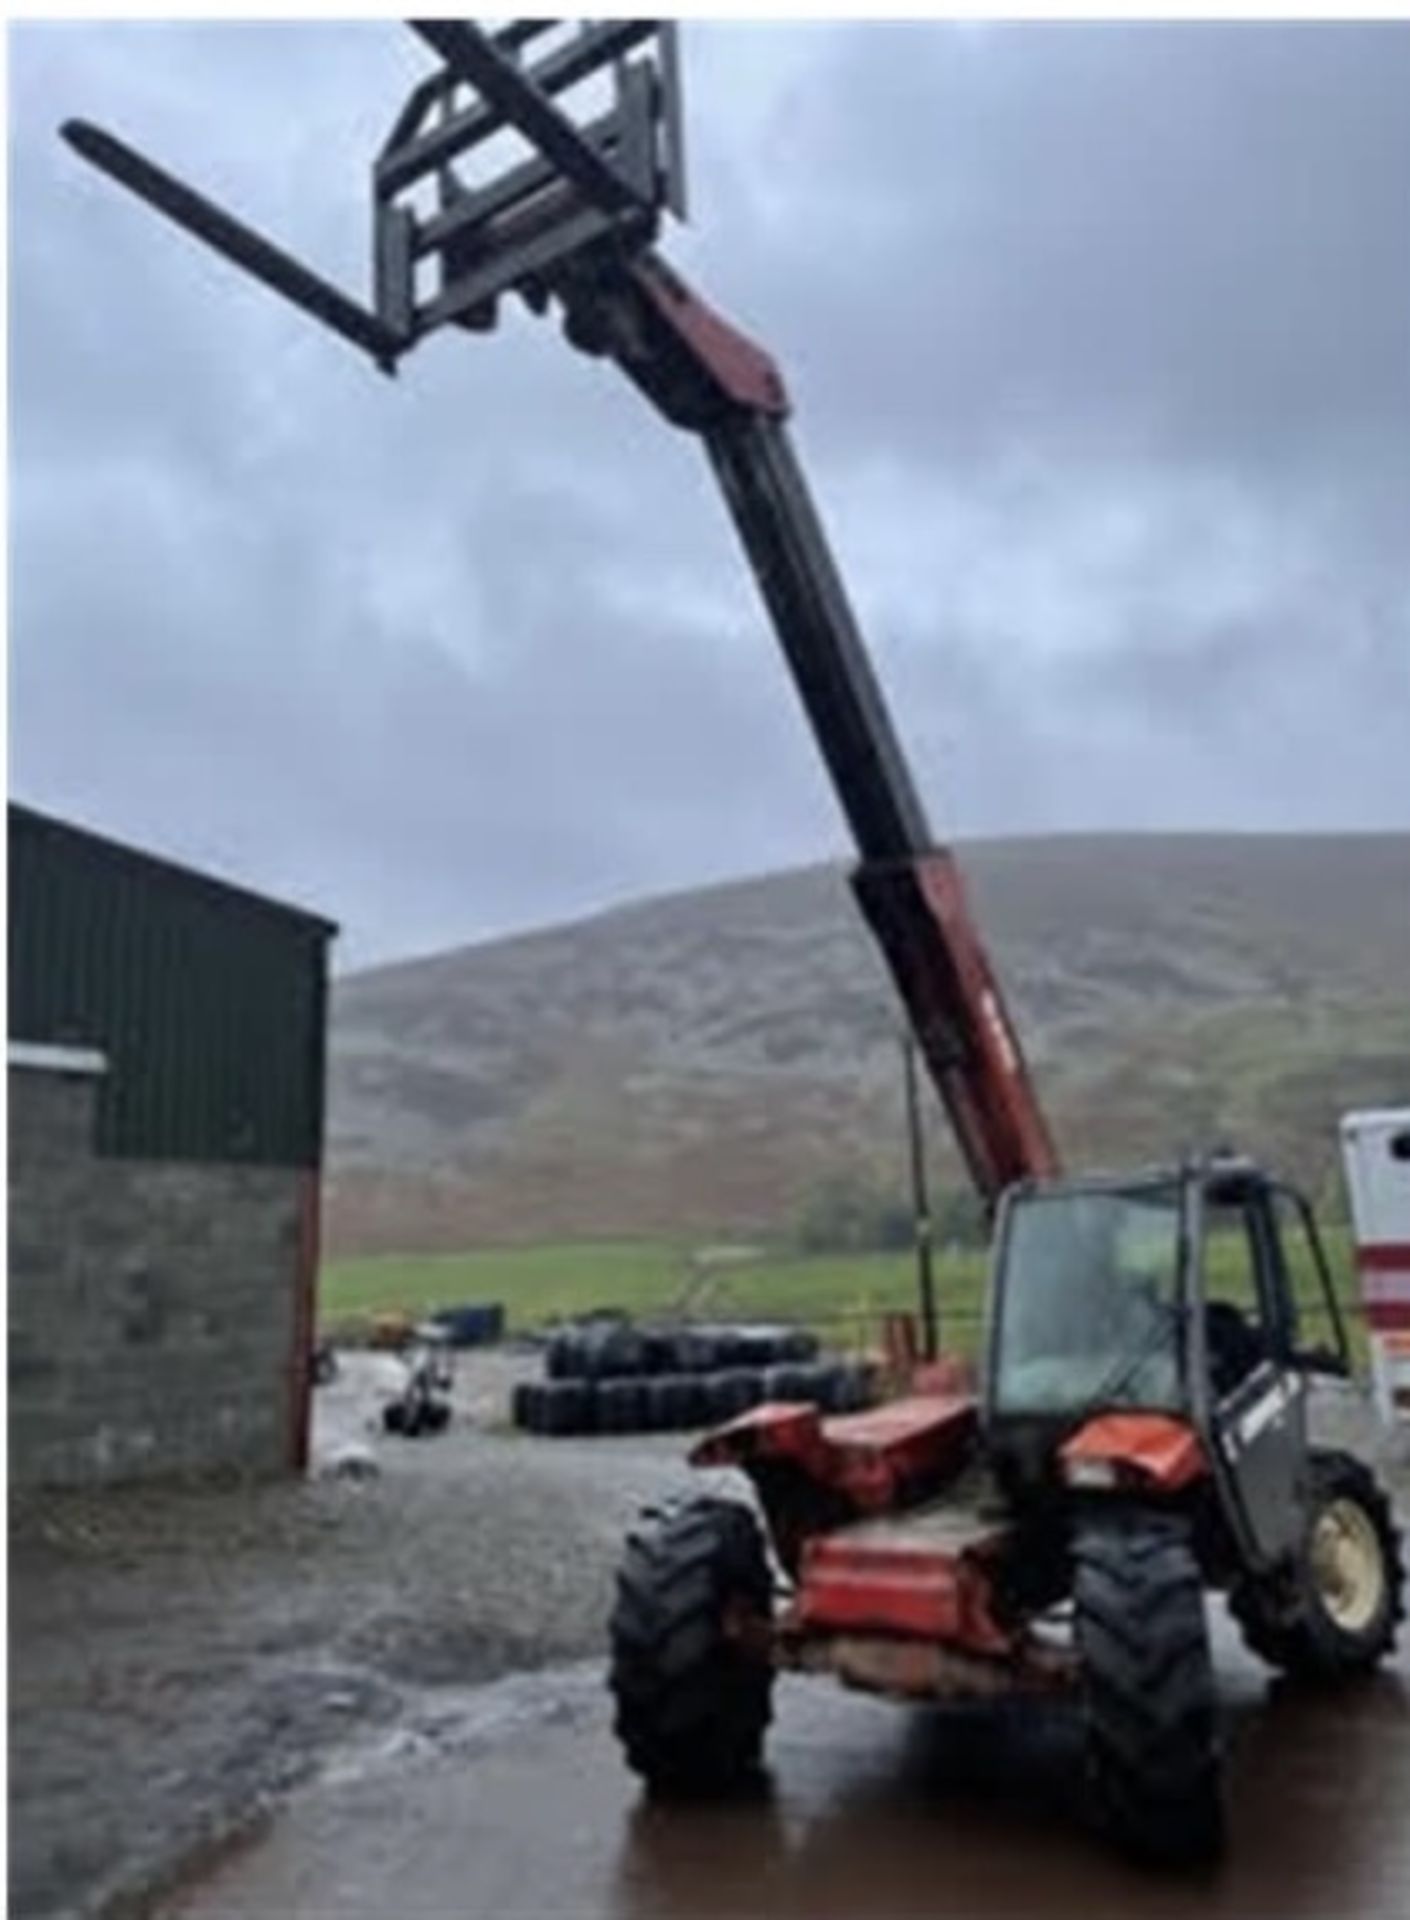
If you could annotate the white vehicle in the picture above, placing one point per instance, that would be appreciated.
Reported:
(1375, 1148)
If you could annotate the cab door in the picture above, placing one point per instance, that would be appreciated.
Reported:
(1256, 1394)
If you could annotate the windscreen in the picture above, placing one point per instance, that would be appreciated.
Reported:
(1087, 1302)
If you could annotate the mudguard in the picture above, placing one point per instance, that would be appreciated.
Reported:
(1152, 1451)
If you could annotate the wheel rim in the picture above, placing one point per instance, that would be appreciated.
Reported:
(1348, 1565)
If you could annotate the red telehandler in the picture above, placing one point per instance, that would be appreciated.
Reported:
(1140, 1434)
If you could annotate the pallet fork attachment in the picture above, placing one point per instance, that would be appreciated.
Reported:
(566, 188)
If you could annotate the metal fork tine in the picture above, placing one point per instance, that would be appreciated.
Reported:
(239, 243)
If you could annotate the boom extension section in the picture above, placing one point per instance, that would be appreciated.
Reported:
(570, 221)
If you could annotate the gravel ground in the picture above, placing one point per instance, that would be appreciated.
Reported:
(178, 1656)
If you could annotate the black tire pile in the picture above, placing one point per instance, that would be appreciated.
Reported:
(615, 1378)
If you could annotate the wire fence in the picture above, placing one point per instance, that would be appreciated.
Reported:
(855, 1331)
(862, 1330)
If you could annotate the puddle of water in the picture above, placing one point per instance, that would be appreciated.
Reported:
(444, 1724)
(513, 1801)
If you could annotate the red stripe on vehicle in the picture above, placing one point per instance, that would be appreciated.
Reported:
(1384, 1316)
(1383, 1254)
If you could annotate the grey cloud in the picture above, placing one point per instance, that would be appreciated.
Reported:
(1099, 338)
(1123, 234)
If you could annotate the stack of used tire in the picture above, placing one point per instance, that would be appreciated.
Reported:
(611, 1377)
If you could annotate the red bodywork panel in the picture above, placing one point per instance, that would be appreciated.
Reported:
(1159, 1451)
(882, 1565)
(744, 372)
(948, 1373)
(894, 1580)
(869, 1458)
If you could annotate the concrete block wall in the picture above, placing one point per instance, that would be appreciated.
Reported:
(154, 1308)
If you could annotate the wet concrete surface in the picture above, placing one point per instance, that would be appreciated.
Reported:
(182, 1656)
(516, 1804)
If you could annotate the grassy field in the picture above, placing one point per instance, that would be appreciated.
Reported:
(842, 1296)
(536, 1283)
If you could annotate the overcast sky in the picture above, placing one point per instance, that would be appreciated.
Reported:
(1099, 342)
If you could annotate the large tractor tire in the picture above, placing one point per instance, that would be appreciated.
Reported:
(1337, 1613)
(565, 1356)
(567, 1406)
(621, 1406)
(732, 1392)
(692, 1700)
(529, 1396)
(614, 1351)
(678, 1400)
(789, 1382)
(1147, 1685)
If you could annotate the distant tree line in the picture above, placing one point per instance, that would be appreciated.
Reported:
(857, 1212)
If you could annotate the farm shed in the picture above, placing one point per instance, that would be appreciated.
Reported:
(166, 1073)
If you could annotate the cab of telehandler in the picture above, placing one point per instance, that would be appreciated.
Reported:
(1146, 1334)
(1146, 1412)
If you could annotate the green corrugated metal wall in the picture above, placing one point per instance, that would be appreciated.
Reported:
(209, 1002)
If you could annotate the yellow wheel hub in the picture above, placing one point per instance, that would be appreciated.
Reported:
(1348, 1565)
